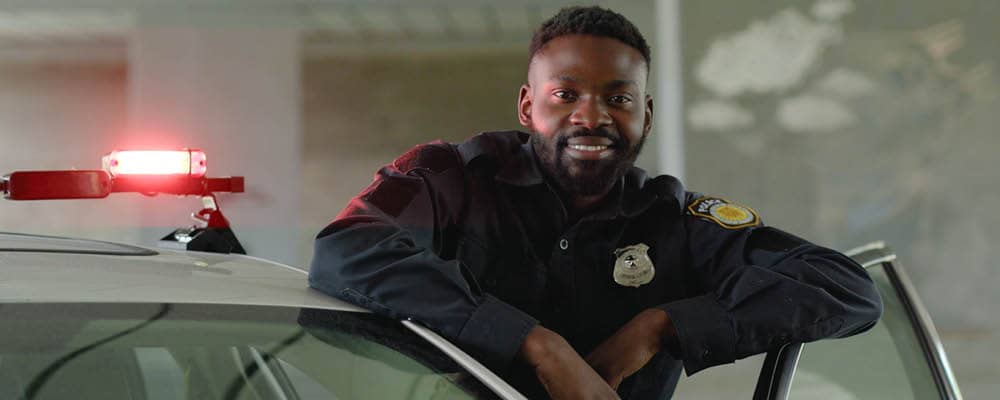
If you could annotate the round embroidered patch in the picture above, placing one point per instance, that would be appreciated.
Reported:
(724, 213)
(731, 214)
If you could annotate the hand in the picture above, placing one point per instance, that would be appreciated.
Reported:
(560, 369)
(629, 349)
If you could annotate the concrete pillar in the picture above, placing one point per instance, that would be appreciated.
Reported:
(229, 85)
(669, 113)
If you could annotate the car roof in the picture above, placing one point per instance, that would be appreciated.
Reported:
(45, 269)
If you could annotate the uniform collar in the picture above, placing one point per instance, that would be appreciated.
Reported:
(629, 197)
(636, 195)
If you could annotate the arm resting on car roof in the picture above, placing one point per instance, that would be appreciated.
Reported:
(766, 288)
(380, 253)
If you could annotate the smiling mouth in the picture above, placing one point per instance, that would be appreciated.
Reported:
(590, 147)
(589, 151)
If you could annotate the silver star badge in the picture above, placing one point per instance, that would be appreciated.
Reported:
(633, 267)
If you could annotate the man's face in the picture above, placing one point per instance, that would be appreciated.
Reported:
(586, 103)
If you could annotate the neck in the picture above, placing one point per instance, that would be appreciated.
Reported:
(579, 205)
(582, 204)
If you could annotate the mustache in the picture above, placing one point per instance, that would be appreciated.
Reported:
(616, 140)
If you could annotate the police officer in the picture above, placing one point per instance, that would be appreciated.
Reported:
(564, 268)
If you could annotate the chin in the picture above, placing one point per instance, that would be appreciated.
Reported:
(589, 184)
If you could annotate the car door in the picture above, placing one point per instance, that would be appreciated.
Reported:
(900, 358)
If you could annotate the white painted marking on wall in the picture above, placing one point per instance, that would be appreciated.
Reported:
(846, 83)
(769, 56)
(719, 116)
(812, 114)
(832, 10)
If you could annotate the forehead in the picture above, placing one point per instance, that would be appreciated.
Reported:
(587, 57)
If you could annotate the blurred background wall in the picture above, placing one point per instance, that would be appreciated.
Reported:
(443, 95)
(874, 122)
(842, 121)
(848, 122)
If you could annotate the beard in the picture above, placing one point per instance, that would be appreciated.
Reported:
(584, 177)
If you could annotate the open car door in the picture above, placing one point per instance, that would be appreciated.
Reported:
(900, 358)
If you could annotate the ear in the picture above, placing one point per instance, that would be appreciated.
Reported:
(524, 106)
(647, 124)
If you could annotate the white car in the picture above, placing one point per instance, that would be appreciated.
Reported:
(84, 319)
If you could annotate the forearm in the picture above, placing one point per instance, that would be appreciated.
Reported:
(633, 346)
(541, 345)
(560, 369)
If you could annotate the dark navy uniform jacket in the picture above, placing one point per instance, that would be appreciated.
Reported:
(471, 241)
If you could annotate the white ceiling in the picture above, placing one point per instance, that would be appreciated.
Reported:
(104, 25)
(44, 27)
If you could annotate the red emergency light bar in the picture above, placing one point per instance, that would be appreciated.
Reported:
(97, 184)
(179, 172)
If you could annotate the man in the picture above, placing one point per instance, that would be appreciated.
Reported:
(560, 265)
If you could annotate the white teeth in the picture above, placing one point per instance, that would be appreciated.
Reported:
(580, 147)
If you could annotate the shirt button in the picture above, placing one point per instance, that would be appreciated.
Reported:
(564, 244)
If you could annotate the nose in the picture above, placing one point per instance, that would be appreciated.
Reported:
(590, 113)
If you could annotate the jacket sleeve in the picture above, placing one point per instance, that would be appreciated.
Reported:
(765, 288)
(383, 253)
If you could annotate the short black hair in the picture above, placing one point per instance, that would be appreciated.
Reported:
(591, 20)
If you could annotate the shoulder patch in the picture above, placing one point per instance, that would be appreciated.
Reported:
(436, 157)
(727, 214)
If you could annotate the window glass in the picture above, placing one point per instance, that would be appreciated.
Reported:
(162, 375)
(886, 362)
(196, 351)
(728, 381)
(305, 386)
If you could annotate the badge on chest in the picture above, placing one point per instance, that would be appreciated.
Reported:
(633, 267)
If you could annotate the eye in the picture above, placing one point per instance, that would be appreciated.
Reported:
(567, 95)
(620, 99)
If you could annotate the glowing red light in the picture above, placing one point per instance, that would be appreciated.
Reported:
(156, 162)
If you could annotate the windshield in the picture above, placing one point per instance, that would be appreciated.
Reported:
(198, 351)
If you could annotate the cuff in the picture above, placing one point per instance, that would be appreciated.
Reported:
(704, 331)
(494, 333)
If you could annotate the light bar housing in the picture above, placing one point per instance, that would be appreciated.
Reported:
(46, 185)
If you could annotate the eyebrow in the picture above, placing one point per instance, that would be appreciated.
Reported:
(620, 83)
(565, 78)
(615, 84)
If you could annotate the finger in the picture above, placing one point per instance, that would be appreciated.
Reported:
(614, 383)
(594, 354)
